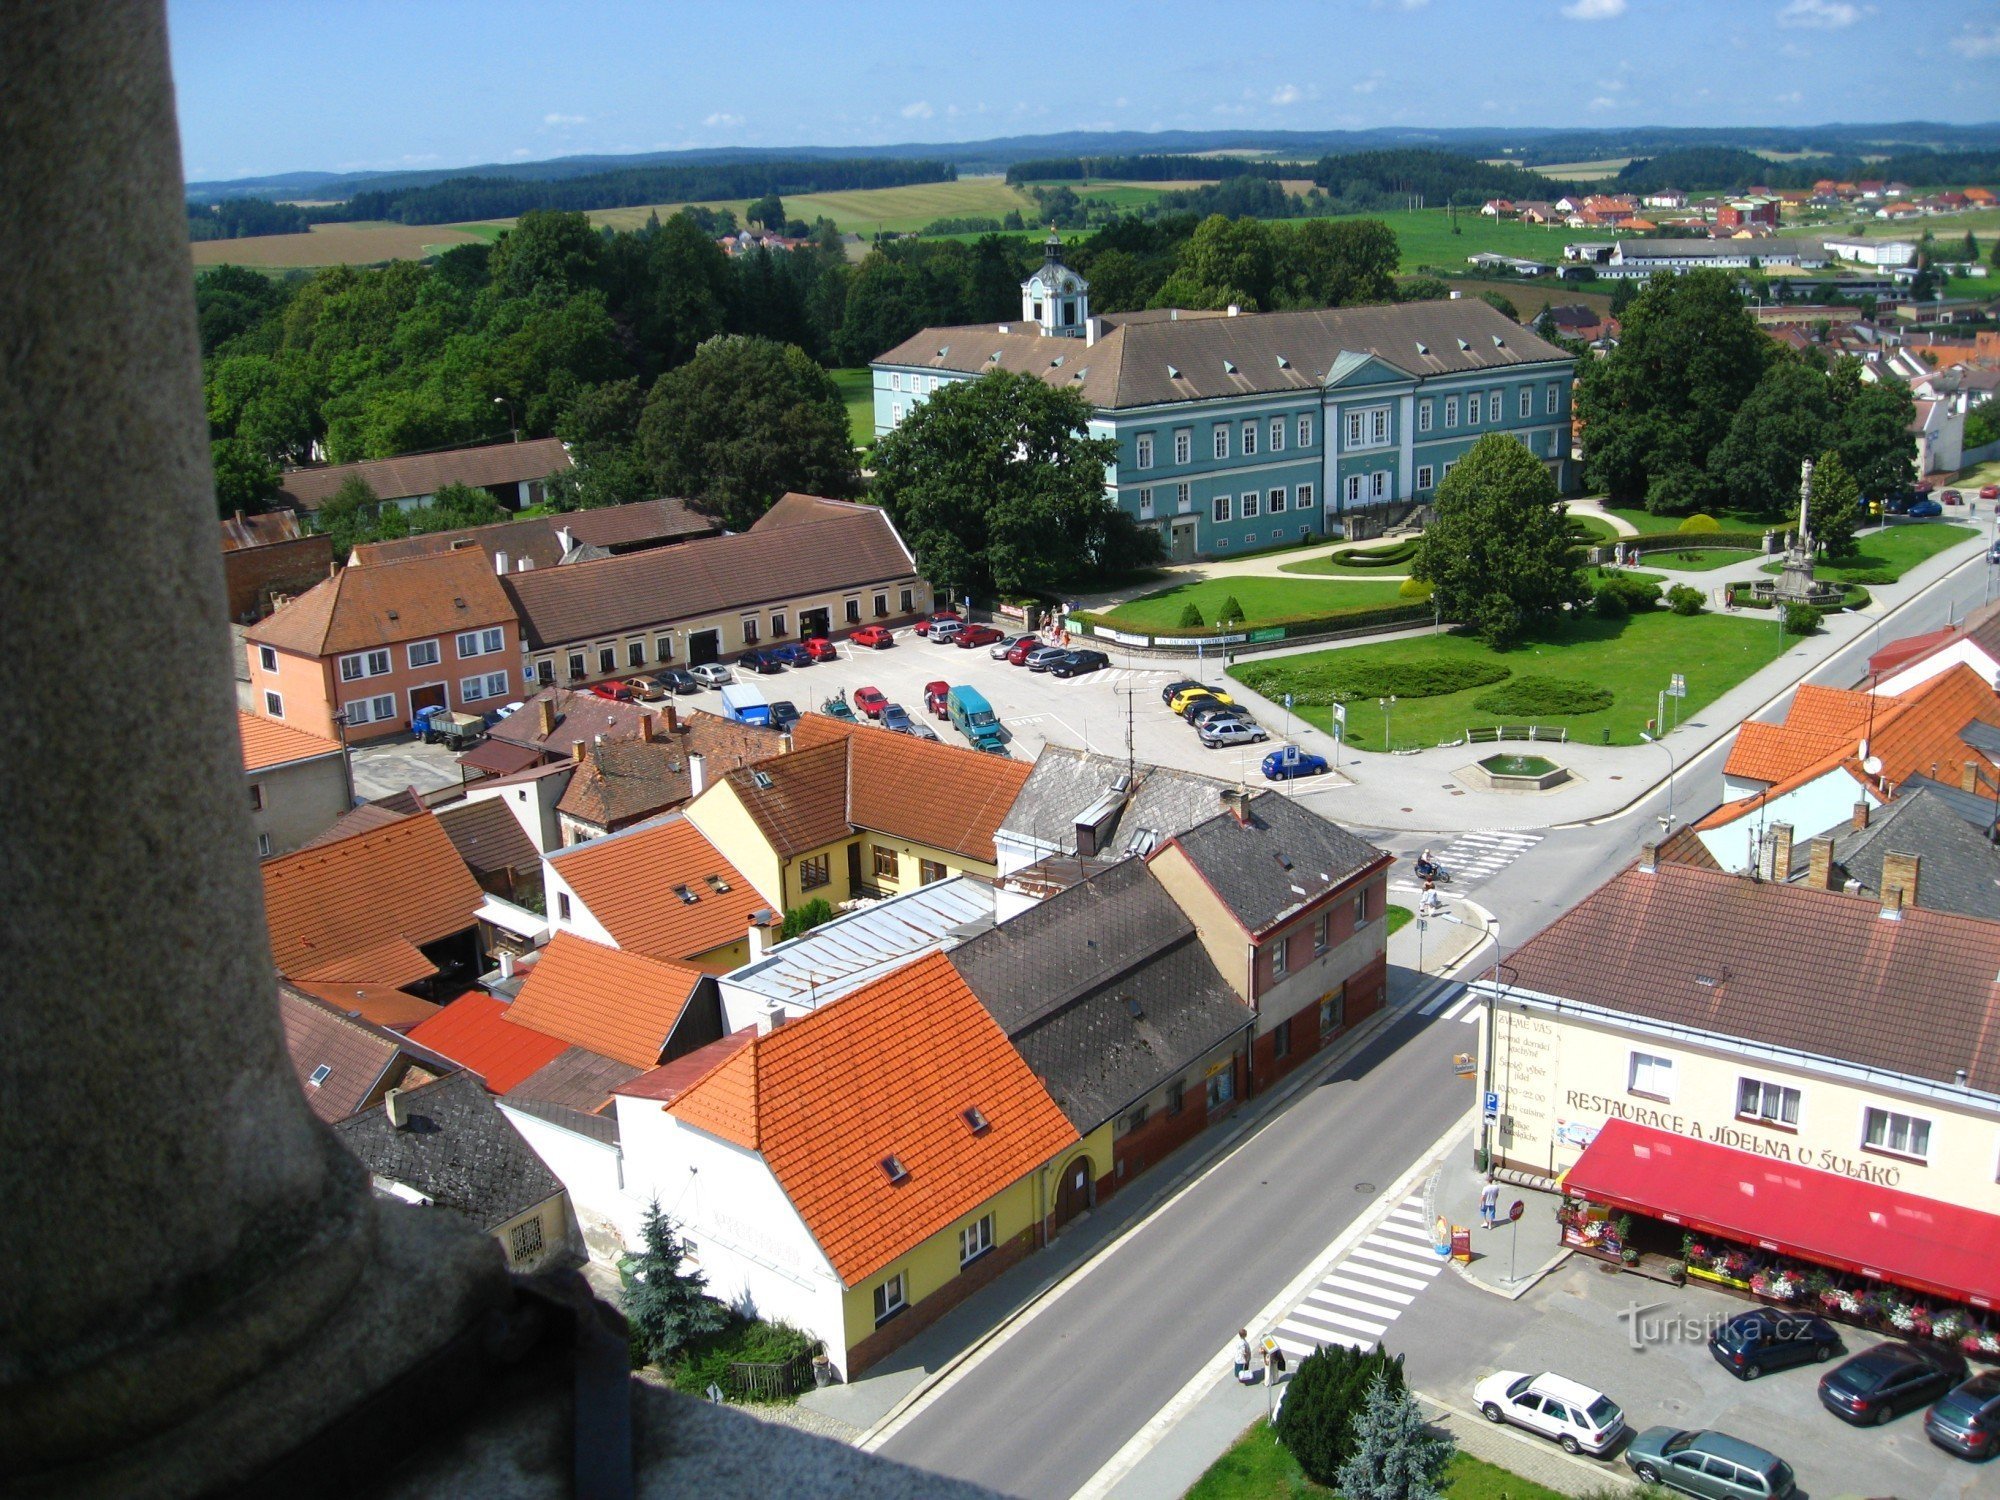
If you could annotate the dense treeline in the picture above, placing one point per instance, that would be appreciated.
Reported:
(1726, 169)
(462, 198)
(234, 218)
(1364, 180)
(1146, 169)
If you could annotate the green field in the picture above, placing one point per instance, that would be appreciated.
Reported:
(1894, 551)
(1130, 196)
(1265, 601)
(1259, 1467)
(857, 389)
(1634, 658)
(863, 210)
(1425, 236)
(1701, 561)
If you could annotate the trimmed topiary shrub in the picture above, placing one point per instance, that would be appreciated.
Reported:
(1230, 610)
(1699, 522)
(1413, 588)
(1320, 686)
(1610, 604)
(1325, 1399)
(1855, 597)
(1635, 593)
(1543, 697)
(1191, 618)
(1801, 619)
(1684, 599)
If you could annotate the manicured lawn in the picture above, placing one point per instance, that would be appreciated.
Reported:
(1699, 561)
(1648, 523)
(1595, 526)
(1633, 658)
(1894, 551)
(1259, 1467)
(1335, 564)
(857, 389)
(1599, 574)
(1399, 917)
(1263, 599)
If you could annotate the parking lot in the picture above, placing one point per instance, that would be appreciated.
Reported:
(1644, 1345)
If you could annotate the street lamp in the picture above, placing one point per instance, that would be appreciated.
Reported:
(1385, 704)
(1492, 930)
(346, 761)
(502, 401)
(1667, 821)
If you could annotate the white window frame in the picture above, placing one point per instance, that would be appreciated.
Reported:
(267, 659)
(1305, 432)
(1274, 501)
(1277, 442)
(1378, 426)
(1142, 451)
(747, 625)
(263, 846)
(1754, 1097)
(358, 666)
(1146, 504)
(1426, 475)
(1221, 440)
(1424, 415)
(479, 689)
(1354, 429)
(1649, 1074)
(1281, 957)
(1183, 445)
(1916, 1133)
(484, 642)
(422, 654)
(891, 1297)
(1353, 489)
(1472, 409)
(1319, 930)
(1251, 506)
(1527, 403)
(1493, 410)
(895, 381)
(1451, 411)
(1553, 403)
(895, 414)
(1304, 498)
(975, 1240)
(274, 703)
(1249, 439)
(1221, 1087)
(1378, 485)
(1221, 509)
(1183, 499)
(373, 710)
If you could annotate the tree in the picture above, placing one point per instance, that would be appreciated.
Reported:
(1324, 1401)
(547, 254)
(1970, 253)
(1622, 293)
(244, 477)
(1836, 506)
(666, 1305)
(1500, 555)
(1785, 420)
(768, 212)
(1396, 1456)
(1335, 263)
(353, 514)
(1224, 262)
(1658, 405)
(1503, 302)
(1926, 284)
(804, 918)
(1994, 253)
(996, 486)
(456, 505)
(1229, 611)
(1874, 438)
(1191, 617)
(743, 422)
(1423, 289)
(1801, 619)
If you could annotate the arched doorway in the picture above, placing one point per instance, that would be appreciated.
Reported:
(1076, 1192)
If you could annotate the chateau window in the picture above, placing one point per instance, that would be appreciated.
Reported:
(1249, 439)
(1451, 411)
(1527, 402)
(1277, 434)
(1183, 446)
(1221, 440)
(1221, 510)
(1424, 416)
(1305, 432)
(1250, 506)
(1143, 450)
(1276, 501)
(1305, 497)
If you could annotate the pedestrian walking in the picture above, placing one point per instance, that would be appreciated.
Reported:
(1489, 1202)
(1244, 1373)
(1432, 903)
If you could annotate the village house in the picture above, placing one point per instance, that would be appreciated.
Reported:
(515, 474)
(346, 1064)
(548, 541)
(676, 753)
(658, 888)
(298, 783)
(269, 557)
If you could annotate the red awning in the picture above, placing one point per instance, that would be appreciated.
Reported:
(1838, 1221)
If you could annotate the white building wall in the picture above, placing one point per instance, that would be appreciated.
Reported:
(1963, 651)
(533, 804)
(593, 1172)
(1810, 809)
(580, 921)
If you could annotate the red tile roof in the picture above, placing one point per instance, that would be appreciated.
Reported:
(402, 601)
(474, 1032)
(414, 474)
(669, 1081)
(268, 743)
(887, 1072)
(630, 882)
(1910, 648)
(619, 1005)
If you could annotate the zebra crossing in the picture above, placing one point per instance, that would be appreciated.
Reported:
(1474, 857)
(1356, 1301)
(1457, 1005)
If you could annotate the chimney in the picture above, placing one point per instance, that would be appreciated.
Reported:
(785, 743)
(500, 563)
(392, 1104)
(697, 772)
(1819, 873)
(1091, 327)
(770, 1016)
(547, 710)
(576, 751)
(1781, 852)
(1968, 776)
(764, 923)
(239, 518)
(1237, 801)
(506, 963)
(1899, 881)
(1860, 816)
(673, 717)
(646, 728)
(1649, 858)
(565, 539)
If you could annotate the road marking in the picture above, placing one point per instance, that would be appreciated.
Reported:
(1380, 1294)
(1436, 1005)
(1325, 1298)
(1465, 998)
(1395, 1263)
(1412, 1231)
(1414, 1215)
(1335, 1321)
(1471, 1016)
(1355, 1268)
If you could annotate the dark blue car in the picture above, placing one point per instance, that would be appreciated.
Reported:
(1925, 509)
(1770, 1338)
(1283, 765)
(791, 655)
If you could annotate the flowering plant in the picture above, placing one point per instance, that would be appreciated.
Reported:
(1948, 1327)
(1783, 1285)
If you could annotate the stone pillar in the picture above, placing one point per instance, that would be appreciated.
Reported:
(196, 1248)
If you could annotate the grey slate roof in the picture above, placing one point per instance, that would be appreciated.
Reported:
(1976, 808)
(1280, 859)
(1064, 782)
(1104, 989)
(1201, 358)
(457, 1149)
(1958, 870)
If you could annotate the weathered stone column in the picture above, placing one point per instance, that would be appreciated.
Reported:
(184, 1230)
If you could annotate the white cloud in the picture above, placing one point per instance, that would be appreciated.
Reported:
(1604, 101)
(1369, 84)
(564, 120)
(1977, 44)
(519, 153)
(920, 110)
(1594, 10)
(1794, 97)
(721, 121)
(1121, 102)
(1821, 15)
(1287, 94)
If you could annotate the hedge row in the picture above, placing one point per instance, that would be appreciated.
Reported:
(1321, 685)
(1353, 619)
(1700, 541)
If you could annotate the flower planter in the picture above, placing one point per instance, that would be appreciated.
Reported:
(1718, 1278)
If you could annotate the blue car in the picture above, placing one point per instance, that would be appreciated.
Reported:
(1283, 765)
(784, 714)
(894, 717)
(1924, 509)
(791, 656)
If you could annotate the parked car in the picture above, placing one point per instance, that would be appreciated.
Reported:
(1283, 765)
(875, 637)
(973, 636)
(1966, 1420)
(922, 731)
(944, 632)
(791, 654)
(1225, 732)
(761, 662)
(1886, 1381)
(784, 714)
(1711, 1464)
(935, 694)
(507, 710)
(677, 680)
(1952, 497)
(928, 622)
(1006, 644)
(1770, 1339)
(711, 674)
(1043, 657)
(1989, 492)
(819, 648)
(1180, 701)
(1580, 1419)
(871, 701)
(610, 692)
(647, 688)
(1925, 509)
(1174, 689)
(1077, 663)
(895, 716)
(837, 707)
(1025, 647)
(1203, 713)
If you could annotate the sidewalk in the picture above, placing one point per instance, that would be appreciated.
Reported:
(1509, 1258)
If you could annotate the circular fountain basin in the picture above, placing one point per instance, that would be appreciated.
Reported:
(1518, 773)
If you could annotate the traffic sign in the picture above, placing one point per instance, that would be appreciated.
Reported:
(1492, 1103)
(1678, 687)
(1517, 1210)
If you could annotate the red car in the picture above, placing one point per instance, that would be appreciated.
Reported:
(1952, 497)
(977, 635)
(1990, 492)
(1019, 655)
(819, 648)
(923, 626)
(871, 701)
(934, 695)
(611, 692)
(873, 636)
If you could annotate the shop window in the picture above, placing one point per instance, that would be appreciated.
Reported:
(1904, 1135)
(1772, 1103)
(1332, 1011)
(1221, 1087)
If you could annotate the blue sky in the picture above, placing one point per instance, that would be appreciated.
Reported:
(349, 85)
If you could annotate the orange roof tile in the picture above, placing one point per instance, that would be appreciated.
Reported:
(914, 1051)
(379, 1004)
(1771, 752)
(619, 1005)
(399, 601)
(670, 1080)
(337, 910)
(267, 743)
(1838, 712)
(629, 881)
(798, 801)
(474, 1032)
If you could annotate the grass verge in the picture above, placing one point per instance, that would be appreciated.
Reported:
(1259, 1467)
(1887, 555)
(1264, 600)
(1399, 917)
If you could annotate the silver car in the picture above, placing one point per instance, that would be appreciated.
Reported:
(1044, 657)
(1221, 732)
(999, 649)
(711, 674)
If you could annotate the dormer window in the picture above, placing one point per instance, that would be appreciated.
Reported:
(1423, 348)
(976, 1121)
(1464, 347)
(895, 1171)
(686, 893)
(1229, 367)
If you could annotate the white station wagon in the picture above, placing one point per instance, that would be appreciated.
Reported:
(1582, 1420)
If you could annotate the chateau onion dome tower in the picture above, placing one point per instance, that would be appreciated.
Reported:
(1055, 298)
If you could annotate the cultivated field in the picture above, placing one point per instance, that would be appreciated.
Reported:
(334, 245)
(1426, 238)
(1531, 296)
(864, 210)
(1571, 171)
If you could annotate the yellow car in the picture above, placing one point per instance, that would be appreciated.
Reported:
(1182, 700)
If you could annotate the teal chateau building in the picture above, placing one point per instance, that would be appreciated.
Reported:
(1243, 431)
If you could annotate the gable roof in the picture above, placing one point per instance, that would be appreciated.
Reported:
(539, 540)
(404, 601)
(1279, 858)
(475, 1032)
(1958, 869)
(579, 716)
(1819, 722)
(356, 911)
(1105, 990)
(629, 881)
(1816, 971)
(1187, 358)
(620, 780)
(620, 1005)
(415, 474)
(848, 548)
(916, 1050)
(360, 1059)
(489, 838)
(670, 1080)
(268, 743)
(1063, 783)
(457, 1149)
(241, 533)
